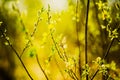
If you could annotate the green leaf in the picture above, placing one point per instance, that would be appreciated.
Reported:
(32, 52)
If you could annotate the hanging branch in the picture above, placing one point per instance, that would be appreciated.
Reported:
(5, 37)
(41, 68)
(86, 29)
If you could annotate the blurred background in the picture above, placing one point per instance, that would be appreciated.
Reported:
(65, 20)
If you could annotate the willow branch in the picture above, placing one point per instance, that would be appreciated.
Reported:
(64, 53)
(86, 29)
(41, 68)
(4, 36)
(55, 44)
(95, 74)
(104, 57)
(32, 34)
(59, 69)
(78, 41)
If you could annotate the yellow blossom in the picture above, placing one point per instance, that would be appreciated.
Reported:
(100, 4)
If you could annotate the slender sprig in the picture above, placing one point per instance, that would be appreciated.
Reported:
(15, 8)
(58, 66)
(34, 31)
(64, 52)
(62, 56)
(72, 74)
(78, 41)
(104, 57)
(17, 54)
(51, 33)
(86, 29)
(41, 67)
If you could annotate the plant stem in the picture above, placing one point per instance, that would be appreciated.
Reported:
(41, 67)
(95, 74)
(59, 68)
(78, 41)
(32, 34)
(55, 44)
(17, 55)
(64, 53)
(86, 28)
(108, 49)
(104, 57)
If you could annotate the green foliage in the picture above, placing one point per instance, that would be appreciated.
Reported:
(86, 70)
(110, 17)
(32, 52)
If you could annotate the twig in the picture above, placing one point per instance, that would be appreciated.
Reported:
(108, 49)
(23, 25)
(86, 28)
(104, 57)
(4, 36)
(41, 68)
(51, 33)
(56, 47)
(32, 34)
(72, 74)
(63, 57)
(95, 74)
(21, 21)
(78, 41)
(64, 53)
(59, 68)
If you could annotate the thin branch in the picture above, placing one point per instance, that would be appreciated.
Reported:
(95, 74)
(4, 36)
(78, 41)
(72, 74)
(26, 46)
(32, 34)
(62, 56)
(24, 28)
(59, 69)
(51, 33)
(64, 52)
(108, 49)
(86, 29)
(41, 68)
(104, 57)
(54, 42)
(14, 6)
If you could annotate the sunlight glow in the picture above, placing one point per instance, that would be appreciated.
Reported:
(56, 5)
